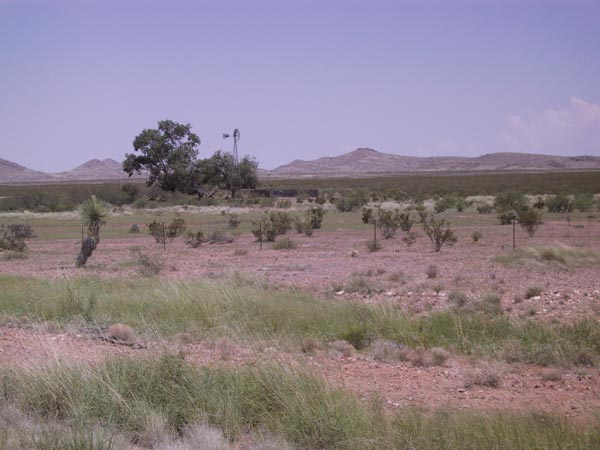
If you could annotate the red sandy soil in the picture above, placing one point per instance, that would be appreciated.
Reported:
(576, 395)
(323, 265)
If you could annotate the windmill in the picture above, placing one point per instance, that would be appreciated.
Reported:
(235, 169)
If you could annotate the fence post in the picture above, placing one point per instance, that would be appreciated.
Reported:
(260, 234)
(164, 237)
(375, 232)
(514, 239)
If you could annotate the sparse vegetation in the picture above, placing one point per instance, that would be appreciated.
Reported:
(284, 243)
(557, 254)
(476, 236)
(439, 232)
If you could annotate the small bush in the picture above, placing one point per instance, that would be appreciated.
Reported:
(584, 358)
(134, 229)
(431, 271)
(559, 204)
(13, 237)
(315, 217)
(488, 376)
(194, 240)
(233, 221)
(406, 222)
(121, 333)
(310, 346)
(476, 236)
(439, 356)
(219, 236)
(388, 351)
(358, 337)
(409, 239)
(343, 347)
(458, 299)
(484, 209)
(148, 266)
(284, 243)
(373, 246)
(283, 204)
(351, 201)
(175, 228)
(156, 231)
(439, 233)
(529, 219)
(533, 291)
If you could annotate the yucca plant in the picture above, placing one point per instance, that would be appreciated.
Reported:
(94, 212)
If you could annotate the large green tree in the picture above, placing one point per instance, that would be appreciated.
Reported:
(168, 153)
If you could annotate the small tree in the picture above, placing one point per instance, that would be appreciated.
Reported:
(439, 233)
(406, 221)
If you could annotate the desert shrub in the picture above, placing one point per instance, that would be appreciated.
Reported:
(343, 347)
(458, 299)
(476, 236)
(310, 345)
(388, 351)
(176, 228)
(444, 203)
(219, 236)
(487, 376)
(409, 238)
(134, 229)
(439, 233)
(421, 210)
(533, 291)
(358, 336)
(129, 193)
(490, 303)
(584, 358)
(315, 217)
(406, 222)
(439, 356)
(461, 204)
(272, 225)
(431, 271)
(13, 237)
(559, 203)
(283, 204)
(539, 203)
(507, 205)
(121, 333)
(388, 221)
(194, 240)
(484, 208)
(156, 231)
(583, 202)
(529, 219)
(367, 215)
(233, 221)
(373, 246)
(320, 200)
(351, 201)
(284, 243)
(147, 265)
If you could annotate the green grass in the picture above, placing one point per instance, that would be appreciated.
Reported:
(128, 395)
(243, 310)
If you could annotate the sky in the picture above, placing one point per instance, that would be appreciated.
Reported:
(300, 79)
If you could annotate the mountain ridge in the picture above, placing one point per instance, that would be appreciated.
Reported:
(360, 162)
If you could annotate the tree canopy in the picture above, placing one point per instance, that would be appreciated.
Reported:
(169, 155)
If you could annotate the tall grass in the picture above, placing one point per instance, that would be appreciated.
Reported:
(242, 310)
(559, 254)
(129, 395)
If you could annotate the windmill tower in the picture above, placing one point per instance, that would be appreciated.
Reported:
(235, 169)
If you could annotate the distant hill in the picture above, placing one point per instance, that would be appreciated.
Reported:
(365, 161)
(11, 172)
(93, 170)
(360, 162)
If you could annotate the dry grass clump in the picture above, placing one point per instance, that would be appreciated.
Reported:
(388, 351)
(343, 347)
(552, 375)
(487, 376)
(284, 243)
(121, 333)
(373, 246)
(585, 358)
(310, 345)
(439, 356)
(559, 253)
(533, 291)
(431, 271)
(197, 436)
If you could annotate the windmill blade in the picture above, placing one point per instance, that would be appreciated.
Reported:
(225, 135)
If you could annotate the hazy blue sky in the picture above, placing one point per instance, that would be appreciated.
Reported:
(300, 79)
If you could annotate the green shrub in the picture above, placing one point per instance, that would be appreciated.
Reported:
(194, 240)
(559, 204)
(439, 233)
(13, 237)
(176, 228)
(529, 219)
(583, 202)
(358, 337)
(233, 221)
(351, 201)
(272, 225)
(134, 229)
(476, 236)
(315, 217)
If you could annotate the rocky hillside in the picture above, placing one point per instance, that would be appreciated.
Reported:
(369, 161)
